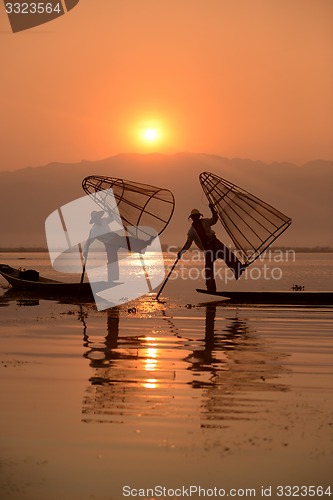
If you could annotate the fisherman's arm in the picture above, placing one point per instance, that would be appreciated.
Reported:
(187, 245)
(110, 217)
(215, 217)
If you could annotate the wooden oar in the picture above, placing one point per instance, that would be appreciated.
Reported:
(83, 260)
(166, 279)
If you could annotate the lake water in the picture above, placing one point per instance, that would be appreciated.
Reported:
(189, 397)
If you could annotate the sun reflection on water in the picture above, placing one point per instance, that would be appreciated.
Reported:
(150, 355)
(145, 365)
(151, 383)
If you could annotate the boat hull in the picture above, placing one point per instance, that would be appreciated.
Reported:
(44, 286)
(275, 297)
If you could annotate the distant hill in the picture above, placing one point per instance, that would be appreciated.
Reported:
(304, 193)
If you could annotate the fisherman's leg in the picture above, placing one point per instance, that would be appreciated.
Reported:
(140, 245)
(223, 252)
(113, 265)
(209, 271)
(130, 243)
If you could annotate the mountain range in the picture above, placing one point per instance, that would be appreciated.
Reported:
(304, 193)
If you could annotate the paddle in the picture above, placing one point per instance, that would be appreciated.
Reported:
(166, 279)
(83, 271)
(83, 260)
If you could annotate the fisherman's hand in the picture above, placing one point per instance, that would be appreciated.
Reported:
(211, 206)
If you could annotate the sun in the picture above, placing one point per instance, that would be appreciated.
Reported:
(150, 135)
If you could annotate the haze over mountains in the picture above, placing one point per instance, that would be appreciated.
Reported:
(304, 193)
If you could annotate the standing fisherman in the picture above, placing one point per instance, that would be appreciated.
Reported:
(112, 241)
(204, 237)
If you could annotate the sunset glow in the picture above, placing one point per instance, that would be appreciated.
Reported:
(222, 84)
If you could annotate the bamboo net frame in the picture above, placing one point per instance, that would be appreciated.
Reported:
(138, 204)
(251, 223)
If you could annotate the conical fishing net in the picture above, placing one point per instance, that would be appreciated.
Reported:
(138, 204)
(251, 223)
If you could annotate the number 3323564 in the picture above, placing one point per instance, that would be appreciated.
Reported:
(33, 8)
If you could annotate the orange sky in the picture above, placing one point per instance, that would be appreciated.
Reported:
(242, 78)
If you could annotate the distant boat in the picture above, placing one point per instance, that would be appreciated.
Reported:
(31, 281)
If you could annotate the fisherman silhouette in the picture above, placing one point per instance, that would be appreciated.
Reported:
(112, 241)
(204, 237)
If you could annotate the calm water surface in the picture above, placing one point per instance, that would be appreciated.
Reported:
(185, 392)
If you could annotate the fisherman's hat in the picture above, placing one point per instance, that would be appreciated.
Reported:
(95, 215)
(195, 211)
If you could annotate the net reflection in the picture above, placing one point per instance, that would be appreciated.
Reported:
(179, 368)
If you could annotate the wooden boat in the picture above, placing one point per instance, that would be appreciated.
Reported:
(31, 281)
(275, 297)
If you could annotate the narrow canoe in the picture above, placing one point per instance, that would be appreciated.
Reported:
(275, 297)
(42, 285)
